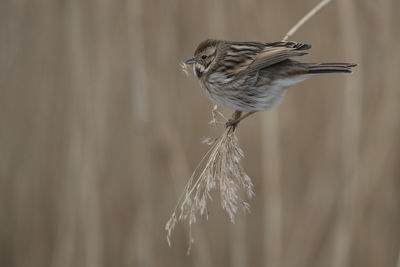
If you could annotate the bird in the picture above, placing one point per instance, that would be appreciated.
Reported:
(253, 76)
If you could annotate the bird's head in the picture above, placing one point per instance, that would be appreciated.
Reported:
(204, 57)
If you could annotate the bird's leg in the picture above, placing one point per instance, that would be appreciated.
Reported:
(236, 118)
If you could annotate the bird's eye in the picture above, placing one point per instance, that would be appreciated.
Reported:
(203, 57)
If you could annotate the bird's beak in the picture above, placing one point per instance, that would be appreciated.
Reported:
(190, 61)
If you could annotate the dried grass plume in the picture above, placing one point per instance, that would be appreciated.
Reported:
(222, 171)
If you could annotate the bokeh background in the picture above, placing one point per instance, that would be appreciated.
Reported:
(100, 130)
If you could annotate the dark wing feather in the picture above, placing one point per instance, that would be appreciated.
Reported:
(244, 57)
(277, 52)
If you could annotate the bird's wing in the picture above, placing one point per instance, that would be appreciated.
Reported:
(276, 52)
(262, 55)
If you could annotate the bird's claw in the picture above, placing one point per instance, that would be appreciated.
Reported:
(232, 123)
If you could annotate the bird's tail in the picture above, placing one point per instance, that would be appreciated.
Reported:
(322, 68)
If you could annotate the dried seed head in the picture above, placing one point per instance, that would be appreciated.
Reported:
(221, 170)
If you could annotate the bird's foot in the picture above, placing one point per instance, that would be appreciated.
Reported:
(232, 123)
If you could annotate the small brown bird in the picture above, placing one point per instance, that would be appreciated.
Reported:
(251, 76)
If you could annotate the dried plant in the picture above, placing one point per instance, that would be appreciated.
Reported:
(185, 68)
(222, 169)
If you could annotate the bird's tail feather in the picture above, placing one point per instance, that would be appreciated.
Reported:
(322, 68)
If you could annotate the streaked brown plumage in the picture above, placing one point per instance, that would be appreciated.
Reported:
(252, 76)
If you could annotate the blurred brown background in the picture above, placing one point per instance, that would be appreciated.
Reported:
(100, 129)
